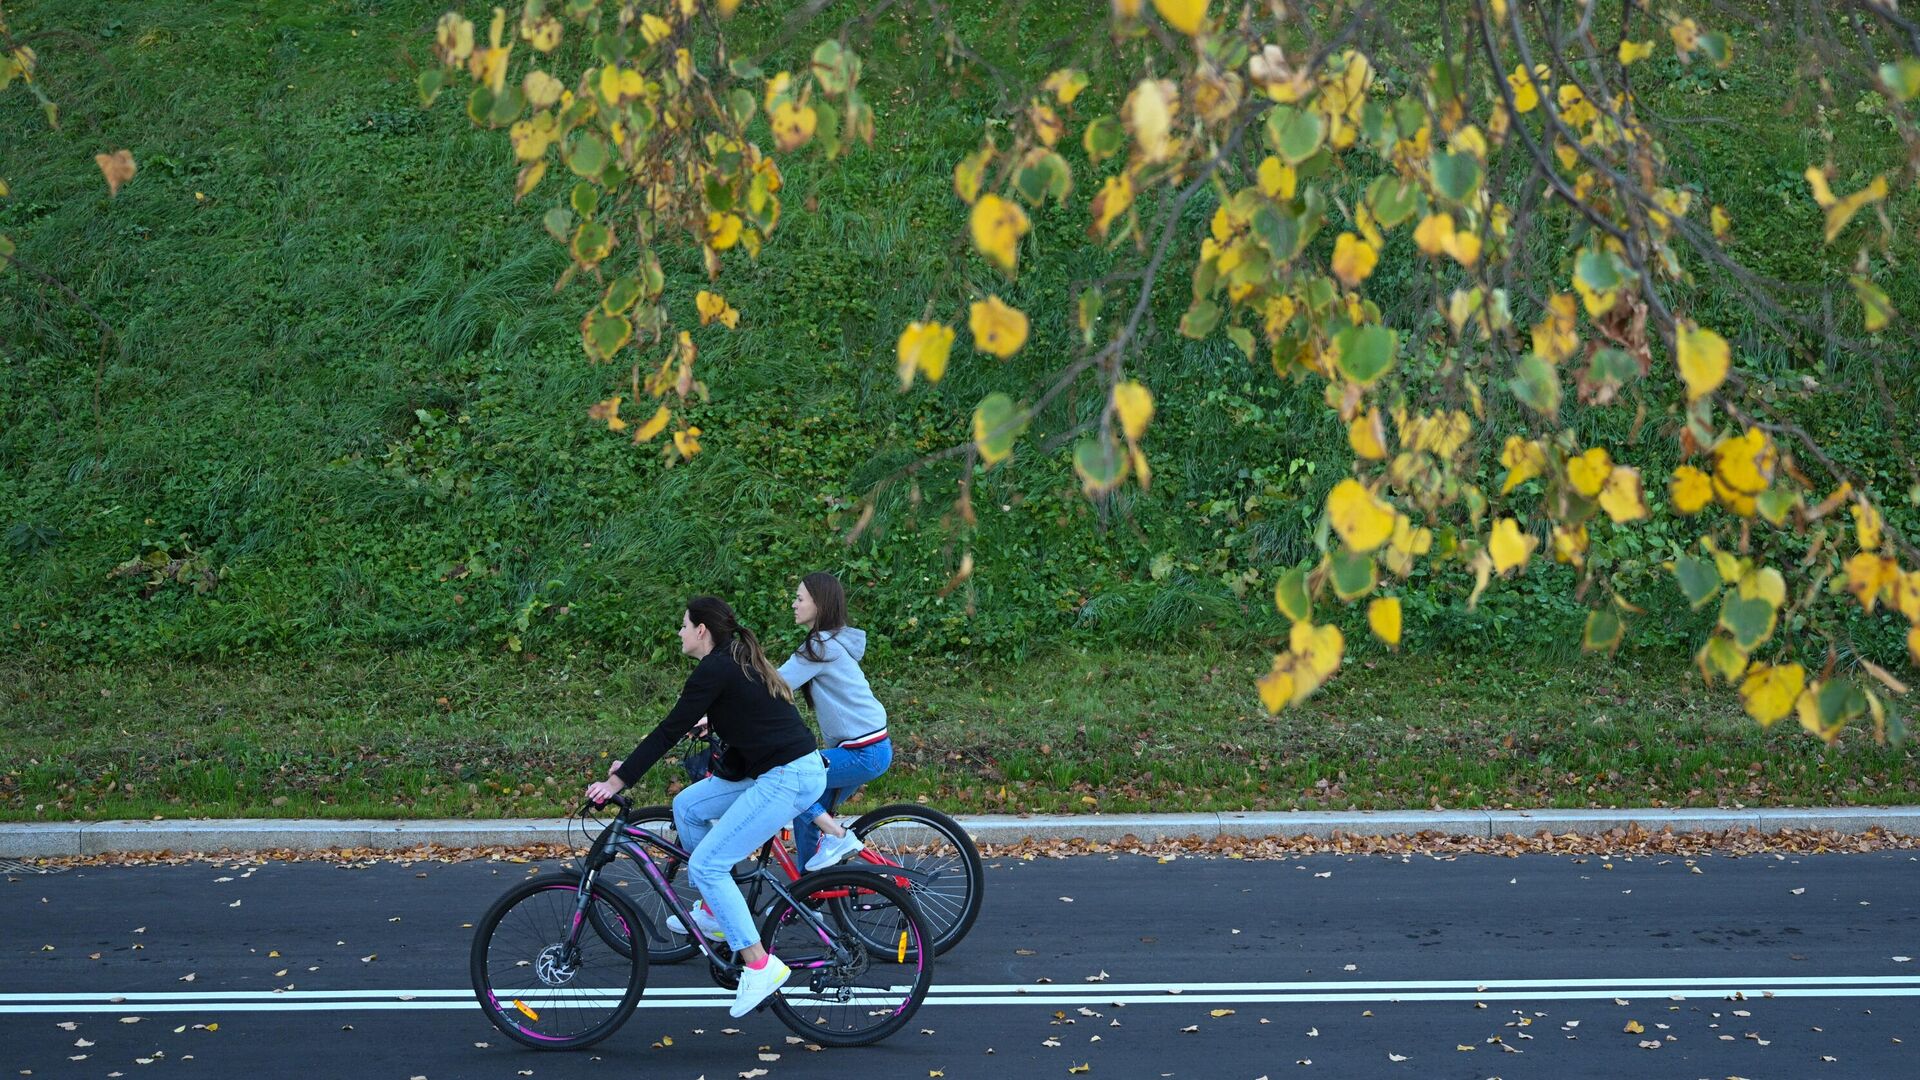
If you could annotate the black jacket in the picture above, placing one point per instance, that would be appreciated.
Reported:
(761, 731)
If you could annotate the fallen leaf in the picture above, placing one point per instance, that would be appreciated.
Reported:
(769, 1057)
(751, 1073)
(1903, 959)
(1066, 899)
(1352, 967)
(236, 903)
(1463, 1047)
(1086, 1067)
(1190, 1028)
(189, 976)
(82, 1043)
(1396, 1057)
(369, 958)
(1797, 892)
(131, 1019)
(1327, 874)
(1651, 1044)
(66, 1025)
(1218, 1013)
(1634, 1028)
(1313, 1033)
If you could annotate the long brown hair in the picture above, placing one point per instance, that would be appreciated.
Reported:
(739, 642)
(830, 601)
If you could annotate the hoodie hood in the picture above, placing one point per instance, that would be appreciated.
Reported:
(854, 640)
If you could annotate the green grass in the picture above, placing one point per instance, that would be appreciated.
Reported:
(433, 733)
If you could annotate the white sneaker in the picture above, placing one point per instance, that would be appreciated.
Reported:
(835, 850)
(757, 986)
(703, 919)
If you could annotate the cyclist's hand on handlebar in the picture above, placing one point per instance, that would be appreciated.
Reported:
(602, 790)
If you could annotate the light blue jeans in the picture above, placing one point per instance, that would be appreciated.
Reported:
(724, 821)
(846, 770)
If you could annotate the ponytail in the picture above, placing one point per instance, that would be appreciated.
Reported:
(720, 621)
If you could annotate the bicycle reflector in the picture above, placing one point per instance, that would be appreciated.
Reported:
(902, 956)
(535, 1017)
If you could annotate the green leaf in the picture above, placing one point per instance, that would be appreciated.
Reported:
(1042, 175)
(1838, 701)
(587, 155)
(1290, 595)
(479, 105)
(997, 424)
(834, 67)
(1366, 352)
(1749, 620)
(743, 68)
(432, 81)
(1775, 504)
(620, 295)
(1295, 134)
(1393, 200)
(1456, 175)
(591, 242)
(1536, 383)
(1722, 657)
(1103, 138)
(1604, 630)
(1090, 301)
(507, 107)
(1902, 78)
(604, 334)
(1599, 271)
(1718, 47)
(740, 105)
(585, 199)
(1200, 319)
(1354, 575)
(1100, 464)
(559, 223)
(1697, 578)
(1242, 337)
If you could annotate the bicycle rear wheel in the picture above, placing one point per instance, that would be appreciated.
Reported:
(546, 981)
(844, 992)
(626, 875)
(953, 882)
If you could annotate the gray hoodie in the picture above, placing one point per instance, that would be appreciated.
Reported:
(842, 700)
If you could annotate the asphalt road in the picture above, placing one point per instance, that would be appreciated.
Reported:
(1473, 967)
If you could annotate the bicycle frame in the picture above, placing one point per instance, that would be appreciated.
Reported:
(620, 836)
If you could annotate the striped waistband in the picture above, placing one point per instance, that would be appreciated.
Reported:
(865, 740)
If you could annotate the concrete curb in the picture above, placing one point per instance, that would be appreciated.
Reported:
(35, 839)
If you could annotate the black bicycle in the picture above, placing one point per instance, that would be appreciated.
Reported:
(553, 967)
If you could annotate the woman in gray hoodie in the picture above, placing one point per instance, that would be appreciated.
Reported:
(853, 723)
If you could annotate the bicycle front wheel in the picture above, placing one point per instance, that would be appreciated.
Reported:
(546, 979)
(950, 883)
(843, 991)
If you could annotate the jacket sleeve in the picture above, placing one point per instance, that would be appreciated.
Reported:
(798, 670)
(696, 697)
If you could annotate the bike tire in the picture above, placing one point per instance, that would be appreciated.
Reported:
(898, 989)
(524, 1017)
(951, 902)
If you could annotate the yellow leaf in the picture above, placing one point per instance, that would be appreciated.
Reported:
(1743, 464)
(1722, 224)
(1134, 404)
(1434, 235)
(714, 307)
(1526, 97)
(997, 328)
(1353, 259)
(997, 227)
(1185, 16)
(1318, 647)
(1066, 84)
(529, 179)
(1524, 459)
(1770, 690)
(117, 167)
(1464, 246)
(1570, 544)
(1690, 489)
(608, 410)
(1383, 618)
(793, 124)
(723, 230)
(1363, 520)
(1632, 51)
(687, 442)
(1634, 1027)
(1589, 472)
(1809, 709)
(1703, 360)
(541, 89)
(1840, 211)
(1113, 199)
(1621, 498)
(1906, 595)
(923, 348)
(1277, 179)
(1508, 546)
(968, 174)
(1149, 112)
(645, 432)
(1870, 575)
(1218, 1013)
(654, 28)
(1276, 686)
(1367, 435)
(1866, 526)
(1085, 1066)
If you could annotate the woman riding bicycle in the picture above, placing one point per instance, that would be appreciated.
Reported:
(853, 723)
(769, 772)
